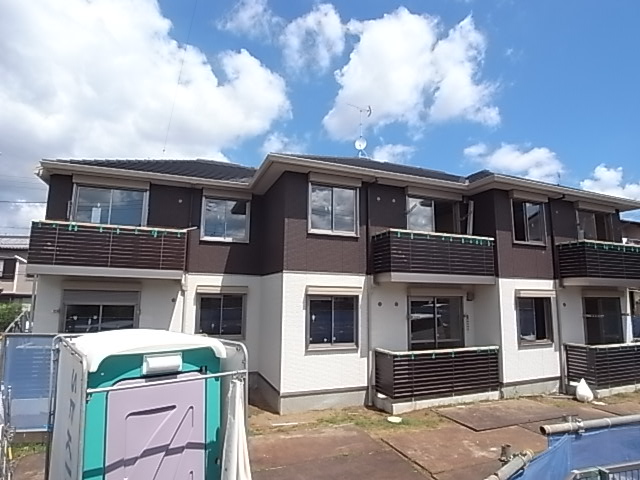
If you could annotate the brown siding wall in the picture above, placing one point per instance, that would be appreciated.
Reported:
(170, 207)
(261, 256)
(387, 207)
(563, 221)
(270, 218)
(222, 257)
(318, 253)
(519, 260)
(59, 196)
(617, 228)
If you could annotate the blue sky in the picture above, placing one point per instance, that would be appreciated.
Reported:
(542, 89)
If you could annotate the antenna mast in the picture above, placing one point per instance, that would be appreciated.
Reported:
(361, 143)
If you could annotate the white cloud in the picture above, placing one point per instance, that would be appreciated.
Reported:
(610, 181)
(538, 163)
(314, 39)
(410, 73)
(97, 79)
(251, 17)
(395, 153)
(279, 142)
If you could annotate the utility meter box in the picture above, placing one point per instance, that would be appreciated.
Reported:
(137, 404)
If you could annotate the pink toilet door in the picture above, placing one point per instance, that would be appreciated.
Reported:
(156, 432)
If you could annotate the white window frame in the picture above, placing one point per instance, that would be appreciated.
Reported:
(409, 211)
(220, 295)
(542, 242)
(331, 345)
(332, 231)
(247, 220)
(549, 323)
(145, 201)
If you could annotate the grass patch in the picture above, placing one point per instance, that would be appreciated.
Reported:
(24, 449)
(373, 420)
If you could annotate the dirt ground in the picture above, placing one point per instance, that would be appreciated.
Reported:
(355, 443)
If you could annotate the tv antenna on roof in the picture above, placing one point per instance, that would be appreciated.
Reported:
(361, 143)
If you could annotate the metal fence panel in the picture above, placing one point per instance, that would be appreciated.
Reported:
(26, 380)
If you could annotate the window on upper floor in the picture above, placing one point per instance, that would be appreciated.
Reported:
(225, 219)
(528, 221)
(7, 268)
(427, 215)
(534, 320)
(110, 206)
(221, 315)
(595, 226)
(332, 321)
(333, 209)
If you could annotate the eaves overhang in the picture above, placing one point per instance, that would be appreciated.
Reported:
(506, 182)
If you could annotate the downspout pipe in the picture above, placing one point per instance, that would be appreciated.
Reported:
(513, 466)
(581, 426)
(556, 278)
(369, 283)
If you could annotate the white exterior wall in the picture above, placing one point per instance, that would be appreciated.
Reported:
(388, 316)
(46, 313)
(253, 311)
(160, 302)
(160, 305)
(270, 350)
(570, 314)
(307, 371)
(528, 363)
(487, 315)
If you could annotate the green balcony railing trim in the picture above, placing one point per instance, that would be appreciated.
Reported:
(74, 227)
(470, 240)
(618, 247)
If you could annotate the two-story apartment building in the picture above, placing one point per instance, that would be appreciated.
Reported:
(15, 285)
(348, 279)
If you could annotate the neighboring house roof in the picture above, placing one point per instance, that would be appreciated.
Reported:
(206, 169)
(14, 242)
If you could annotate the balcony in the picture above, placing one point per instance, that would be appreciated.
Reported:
(404, 256)
(603, 366)
(587, 262)
(436, 374)
(69, 248)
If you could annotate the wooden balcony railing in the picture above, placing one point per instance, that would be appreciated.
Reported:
(603, 366)
(433, 253)
(587, 258)
(436, 373)
(110, 246)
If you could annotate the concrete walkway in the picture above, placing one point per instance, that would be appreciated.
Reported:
(461, 443)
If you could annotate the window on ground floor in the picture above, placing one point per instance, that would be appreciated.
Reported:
(332, 320)
(534, 320)
(221, 315)
(603, 320)
(435, 322)
(635, 313)
(96, 318)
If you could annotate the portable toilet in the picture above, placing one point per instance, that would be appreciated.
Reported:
(137, 404)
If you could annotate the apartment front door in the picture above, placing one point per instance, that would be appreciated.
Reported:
(602, 320)
(435, 322)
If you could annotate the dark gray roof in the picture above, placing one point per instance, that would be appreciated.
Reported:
(383, 166)
(207, 169)
(232, 172)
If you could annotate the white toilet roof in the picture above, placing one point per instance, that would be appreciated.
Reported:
(98, 346)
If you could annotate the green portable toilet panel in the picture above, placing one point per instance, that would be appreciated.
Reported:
(158, 426)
